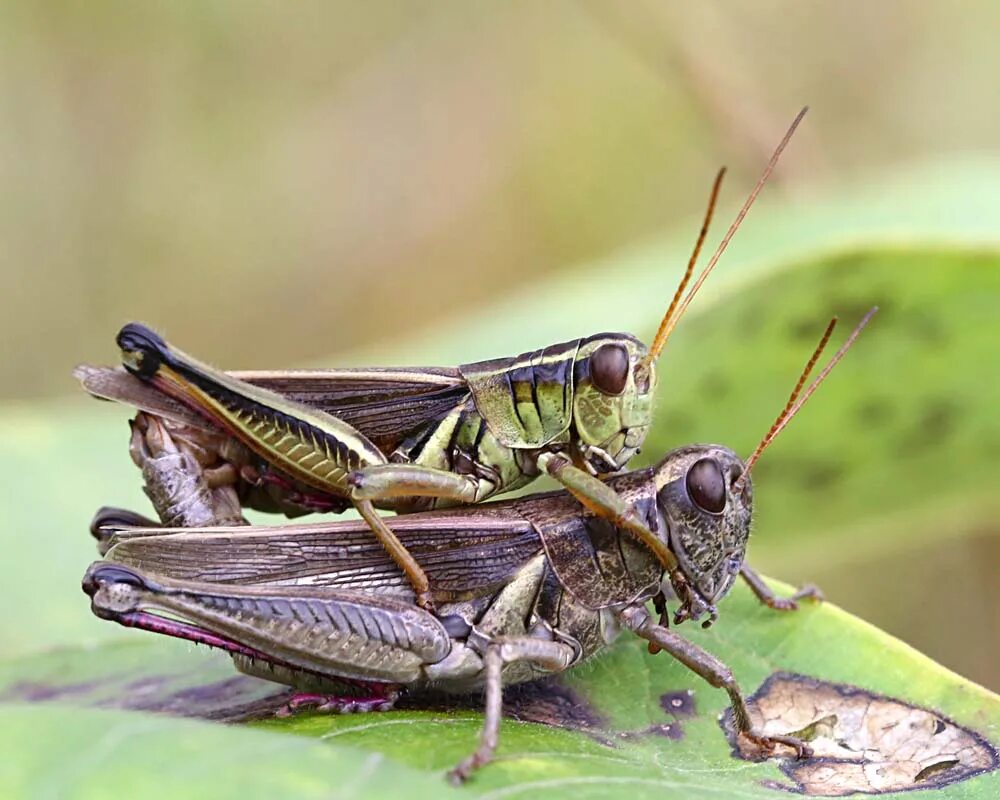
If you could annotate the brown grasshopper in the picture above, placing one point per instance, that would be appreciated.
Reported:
(409, 439)
(527, 588)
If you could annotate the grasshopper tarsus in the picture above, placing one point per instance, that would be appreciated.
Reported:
(338, 704)
(767, 596)
(771, 744)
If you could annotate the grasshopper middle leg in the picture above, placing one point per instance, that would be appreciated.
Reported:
(554, 656)
(766, 595)
(708, 667)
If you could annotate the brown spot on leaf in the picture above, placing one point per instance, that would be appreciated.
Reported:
(678, 704)
(231, 700)
(551, 703)
(670, 730)
(862, 742)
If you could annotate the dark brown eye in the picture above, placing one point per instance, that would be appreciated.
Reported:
(706, 486)
(609, 368)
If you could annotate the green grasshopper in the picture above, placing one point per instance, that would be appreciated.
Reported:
(413, 439)
(535, 587)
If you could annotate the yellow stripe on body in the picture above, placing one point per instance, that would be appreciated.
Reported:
(308, 454)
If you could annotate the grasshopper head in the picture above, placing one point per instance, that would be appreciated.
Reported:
(705, 498)
(612, 399)
(706, 511)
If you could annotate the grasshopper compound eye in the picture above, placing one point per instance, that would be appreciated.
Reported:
(609, 368)
(706, 485)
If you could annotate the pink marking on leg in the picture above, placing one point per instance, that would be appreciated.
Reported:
(315, 502)
(382, 698)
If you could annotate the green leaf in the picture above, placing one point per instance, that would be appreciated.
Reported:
(627, 724)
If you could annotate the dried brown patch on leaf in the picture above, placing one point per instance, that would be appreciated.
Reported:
(862, 742)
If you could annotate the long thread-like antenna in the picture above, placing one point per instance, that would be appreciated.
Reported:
(660, 338)
(796, 401)
(673, 316)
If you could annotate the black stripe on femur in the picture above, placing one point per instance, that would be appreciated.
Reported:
(231, 400)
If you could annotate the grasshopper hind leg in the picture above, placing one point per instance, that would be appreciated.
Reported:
(382, 482)
(184, 488)
(340, 704)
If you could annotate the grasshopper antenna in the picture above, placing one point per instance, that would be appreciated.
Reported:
(661, 334)
(795, 401)
(676, 311)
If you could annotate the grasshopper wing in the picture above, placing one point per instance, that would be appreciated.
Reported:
(466, 553)
(114, 383)
(385, 405)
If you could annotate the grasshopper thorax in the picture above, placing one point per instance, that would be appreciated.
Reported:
(705, 511)
(612, 399)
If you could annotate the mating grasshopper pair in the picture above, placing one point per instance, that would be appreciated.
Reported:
(500, 594)
(534, 587)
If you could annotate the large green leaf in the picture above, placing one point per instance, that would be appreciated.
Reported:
(627, 724)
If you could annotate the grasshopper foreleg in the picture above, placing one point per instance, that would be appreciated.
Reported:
(604, 501)
(553, 656)
(767, 596)
(397, 552)
(705, 665)
(387, 481)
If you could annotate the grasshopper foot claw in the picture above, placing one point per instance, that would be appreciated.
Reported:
(461, 773)
(425, 602)
(809, 592)
(336, 704)
(770, 744)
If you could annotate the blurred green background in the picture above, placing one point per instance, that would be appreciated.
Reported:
(339, 183)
